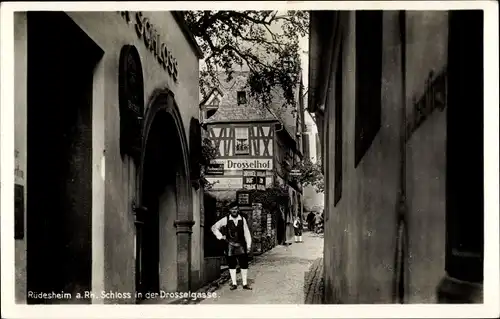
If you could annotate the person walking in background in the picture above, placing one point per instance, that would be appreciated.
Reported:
(310, 221)
(239, 241)
(297, 227)
(318, 219)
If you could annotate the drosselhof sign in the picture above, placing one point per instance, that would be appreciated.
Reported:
(245, 163)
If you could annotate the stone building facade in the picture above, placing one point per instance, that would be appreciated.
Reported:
(106, 107)
(392, 93)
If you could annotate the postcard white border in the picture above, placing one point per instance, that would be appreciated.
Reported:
(490, 308)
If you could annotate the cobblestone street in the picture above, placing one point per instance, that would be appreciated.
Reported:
(277, 277)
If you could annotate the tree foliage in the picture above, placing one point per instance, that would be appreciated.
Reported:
(266, 42)
(208, 153)
(272, 197)
(311, 174)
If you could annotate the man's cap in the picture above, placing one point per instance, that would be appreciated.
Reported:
(233, 205)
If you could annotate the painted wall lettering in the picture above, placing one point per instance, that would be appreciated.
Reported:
(146, 31)
(434, 97)
(247, 163)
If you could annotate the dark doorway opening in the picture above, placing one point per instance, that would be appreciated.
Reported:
(161, 163)
(61, 61)
(465, 205)
(311, 217)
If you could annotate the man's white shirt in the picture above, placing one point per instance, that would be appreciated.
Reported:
(223, 222)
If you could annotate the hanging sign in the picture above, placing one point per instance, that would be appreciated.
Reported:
(249, 179)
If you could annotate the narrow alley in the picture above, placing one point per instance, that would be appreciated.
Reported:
(277, 277)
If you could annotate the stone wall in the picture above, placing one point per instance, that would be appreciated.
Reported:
(362, 224)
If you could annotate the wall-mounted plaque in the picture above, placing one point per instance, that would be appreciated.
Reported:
(215, 169)
(131, 99)
(247, 172)
(261, 183)
(19, 211)
(249, 179)
(243, 198)
(261, 173)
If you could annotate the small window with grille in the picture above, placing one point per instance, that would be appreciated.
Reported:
(242, 97)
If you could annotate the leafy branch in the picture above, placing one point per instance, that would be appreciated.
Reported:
(266, 42)
(208, 153)
(311, 174)
(272, 197)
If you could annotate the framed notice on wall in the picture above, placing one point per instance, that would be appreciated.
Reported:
(243, 198)
(261, 183)
(18, 211)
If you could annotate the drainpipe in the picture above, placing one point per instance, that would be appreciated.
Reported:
(401, 210)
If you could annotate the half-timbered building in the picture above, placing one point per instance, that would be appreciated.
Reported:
(253, 138)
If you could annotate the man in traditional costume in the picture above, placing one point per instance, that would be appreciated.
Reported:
(239, 241)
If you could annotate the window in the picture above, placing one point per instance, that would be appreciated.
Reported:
(242, 97)
(210, 113)
(338, 130)
(215, 102)
(368, 80)
(242, 144)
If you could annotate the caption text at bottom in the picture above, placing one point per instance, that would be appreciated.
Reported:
(122, 295)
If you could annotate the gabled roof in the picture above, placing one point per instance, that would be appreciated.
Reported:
(241, 113)
(229, 111)
(216, 89)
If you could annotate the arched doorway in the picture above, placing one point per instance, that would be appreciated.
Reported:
(164, 234)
